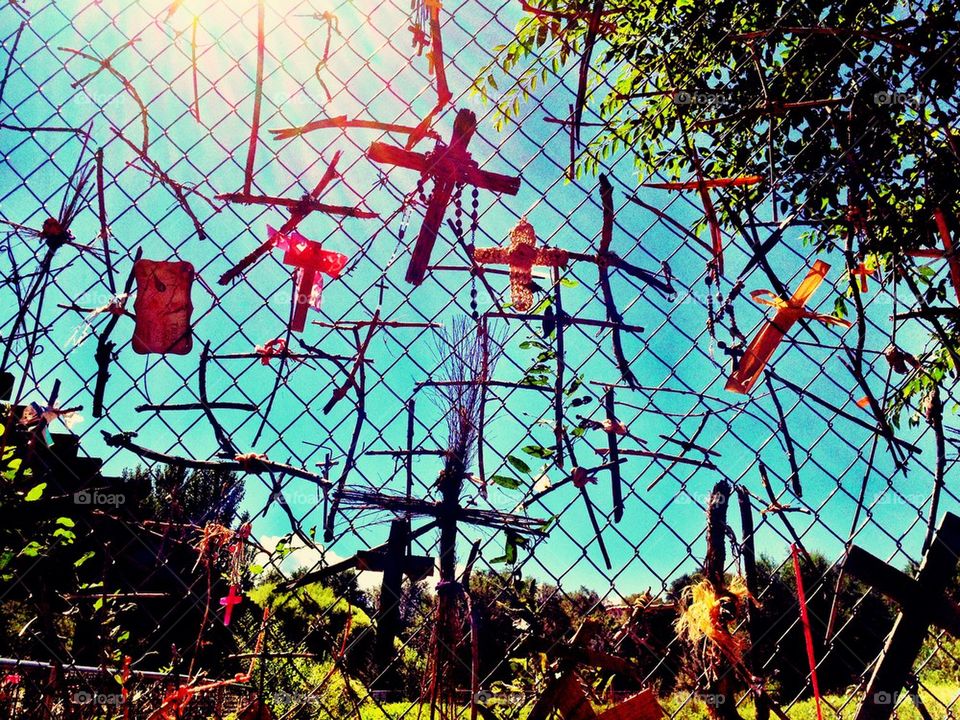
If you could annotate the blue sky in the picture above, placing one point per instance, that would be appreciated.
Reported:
(371, 75)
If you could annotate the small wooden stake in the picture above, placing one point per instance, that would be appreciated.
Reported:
(614, 456)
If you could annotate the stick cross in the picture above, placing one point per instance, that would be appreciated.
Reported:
(703, 186)
(449, 166)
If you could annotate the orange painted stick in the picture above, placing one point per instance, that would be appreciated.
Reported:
(761, 349)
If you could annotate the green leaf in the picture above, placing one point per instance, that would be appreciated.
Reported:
(530, 344)
(840, 307)
(35, 493)
(509, 556)
(505, 481)
(66, 522)
(549, 523)
(255, 569)
(32, 549)
(569, 283)
(518, 464)
(83, 558)
(538, 451)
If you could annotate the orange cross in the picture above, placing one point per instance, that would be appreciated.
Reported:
(521, 256)
(761, 348)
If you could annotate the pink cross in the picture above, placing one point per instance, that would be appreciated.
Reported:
(228, 602)
(313, 261)
(521, 256)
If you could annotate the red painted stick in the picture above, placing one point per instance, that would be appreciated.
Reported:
(807, 632)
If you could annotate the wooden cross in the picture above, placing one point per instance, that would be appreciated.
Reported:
(923, 602)
(228, 602)
(394, 561)
(299, 211)
(522, 255)
(449, 166)
(312, 260)
(614, 428)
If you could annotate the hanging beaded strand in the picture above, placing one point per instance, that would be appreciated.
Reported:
(711, 320)
(474, 223)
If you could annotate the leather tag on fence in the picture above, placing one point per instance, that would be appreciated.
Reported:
(163, 307)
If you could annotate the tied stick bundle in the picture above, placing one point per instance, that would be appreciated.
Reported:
(709, 615)
(468, 364)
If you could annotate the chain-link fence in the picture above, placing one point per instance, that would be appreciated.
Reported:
(338, 476)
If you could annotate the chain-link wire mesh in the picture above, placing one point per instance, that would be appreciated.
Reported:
(336, 441)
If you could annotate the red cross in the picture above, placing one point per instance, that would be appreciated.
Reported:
(228, 602)
(420, 38)
(703, 186)
(521, 256)
(313, 261)
(946, 254)
(863, 272)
